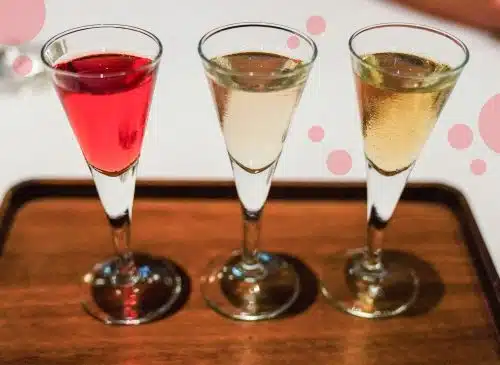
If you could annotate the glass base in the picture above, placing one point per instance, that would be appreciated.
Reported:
(368, 294)
(140, 299)
(250, 293)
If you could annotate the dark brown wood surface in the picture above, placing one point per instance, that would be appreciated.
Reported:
(58, 231)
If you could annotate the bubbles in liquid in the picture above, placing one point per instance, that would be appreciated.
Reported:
(398, 112)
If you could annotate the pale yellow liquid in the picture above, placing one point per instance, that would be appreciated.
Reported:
(255, 107)
(399, 106)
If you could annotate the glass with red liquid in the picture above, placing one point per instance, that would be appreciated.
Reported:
(105, 77)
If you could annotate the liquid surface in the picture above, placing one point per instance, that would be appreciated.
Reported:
(108, 114)
(399, 106)
(255, 104)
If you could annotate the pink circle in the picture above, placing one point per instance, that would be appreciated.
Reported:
(478, 167)
(22, 65)
(489, 123)
(460, 136)
(293, 42)
(316, 133)
(316, 24)
(339, 162)
(20, 20)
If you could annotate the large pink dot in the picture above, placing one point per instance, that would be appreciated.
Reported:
(478, 167)
(22, 65)
(339, 162)
(316, 24)
(460, 136)
(489, 123)
(316, 133)
(20, 20)
(293, 42)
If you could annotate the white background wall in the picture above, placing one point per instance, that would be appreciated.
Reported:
(184, 140)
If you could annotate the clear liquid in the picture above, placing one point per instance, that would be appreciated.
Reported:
(400, 106)
(255, 104)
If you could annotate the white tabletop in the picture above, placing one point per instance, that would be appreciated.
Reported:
(184, 141)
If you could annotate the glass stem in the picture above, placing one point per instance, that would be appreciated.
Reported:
(251, 236)
(375, 238)
(120, 229)
(384, 192)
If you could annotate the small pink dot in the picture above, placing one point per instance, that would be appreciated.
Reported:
(489, 123)
(316, 24)
(316, 133)
(293, 42)
(22, 65)
(460, 136)
(339, 162)
(478, 167)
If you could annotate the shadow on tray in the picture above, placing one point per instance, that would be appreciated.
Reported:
(432, 288)
(184, 294)
(309, 287)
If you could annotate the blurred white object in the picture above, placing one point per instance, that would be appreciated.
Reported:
(15, 81)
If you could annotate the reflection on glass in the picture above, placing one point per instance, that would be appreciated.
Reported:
(105, 76)
(404, 75)
(256, 82)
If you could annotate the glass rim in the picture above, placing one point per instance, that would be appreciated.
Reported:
(227, 27)
(154, 62)
(426, 28)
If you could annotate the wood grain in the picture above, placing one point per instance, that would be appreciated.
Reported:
(56, 239)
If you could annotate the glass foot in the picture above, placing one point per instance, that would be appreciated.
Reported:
(146, 297)
(250, 293)
(354, 290)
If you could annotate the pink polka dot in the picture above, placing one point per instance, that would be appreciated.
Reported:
(316, 133)
(460, 136)
(339, 162)
(22, 65)
(293, 42)
(478, 167)
(20, 20)
(316, 24)
(489, 123)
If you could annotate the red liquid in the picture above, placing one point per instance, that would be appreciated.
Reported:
(108, 114)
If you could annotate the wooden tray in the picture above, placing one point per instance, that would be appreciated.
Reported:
(52, 232)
